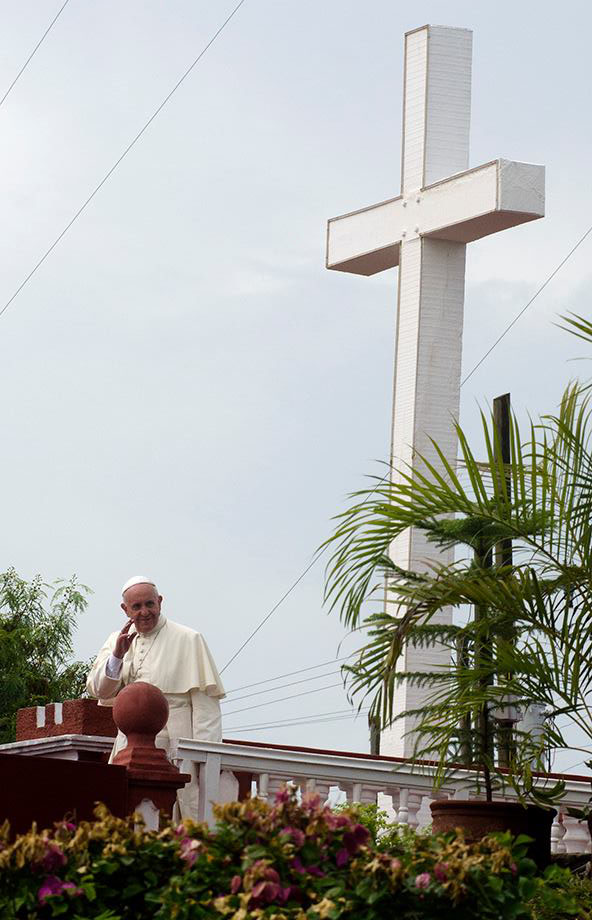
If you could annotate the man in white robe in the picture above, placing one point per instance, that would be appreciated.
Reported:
(175, 659)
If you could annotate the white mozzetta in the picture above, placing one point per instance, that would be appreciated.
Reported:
(443, 205)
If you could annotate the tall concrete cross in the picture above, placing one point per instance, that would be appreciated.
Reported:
(443, 205)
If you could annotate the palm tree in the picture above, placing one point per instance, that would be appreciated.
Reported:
(530, 634)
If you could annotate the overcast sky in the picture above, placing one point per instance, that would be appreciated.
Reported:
(186, 392)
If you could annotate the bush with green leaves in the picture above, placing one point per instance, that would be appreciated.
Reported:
(384, 834)
(522, 533)
(37, 623)
(289, 861)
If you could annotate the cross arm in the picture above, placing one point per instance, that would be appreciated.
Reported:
(463, 208)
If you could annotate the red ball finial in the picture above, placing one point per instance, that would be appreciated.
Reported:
(140, 709)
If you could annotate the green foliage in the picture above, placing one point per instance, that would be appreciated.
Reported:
(36, 626)
(375, 819)
(383, 833)
(287, 862)
(530, 638)
(574, 889)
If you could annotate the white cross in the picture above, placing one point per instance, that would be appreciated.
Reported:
(443, 205)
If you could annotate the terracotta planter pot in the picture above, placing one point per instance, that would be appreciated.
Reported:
(477, 819)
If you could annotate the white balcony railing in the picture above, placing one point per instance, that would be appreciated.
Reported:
(403, 792)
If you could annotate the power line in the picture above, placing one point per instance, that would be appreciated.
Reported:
(260, 728)
(269, 680)
(315, 559)
(310, 715)
(282, 699)
(121, 158)
(532, 299)
(574, 765)
(272, 611)
(305, 680)
(34, 51)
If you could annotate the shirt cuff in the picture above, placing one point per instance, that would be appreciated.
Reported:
(113, 667)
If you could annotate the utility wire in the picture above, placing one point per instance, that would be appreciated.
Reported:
(290, 674)
(121, 158)
(314, 560)
(305, 680)
(310, 715)
(469, 375)
(567, 769)
(33, 52)
(282, 699)
(532, 299)
(260, 728)
(272, 611)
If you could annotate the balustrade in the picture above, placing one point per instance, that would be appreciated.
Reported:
(405, 793)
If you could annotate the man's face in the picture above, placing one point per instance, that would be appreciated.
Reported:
(141, 603)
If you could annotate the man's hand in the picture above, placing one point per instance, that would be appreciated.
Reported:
(124, 640)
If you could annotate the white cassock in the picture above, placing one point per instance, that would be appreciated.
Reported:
(177, 660)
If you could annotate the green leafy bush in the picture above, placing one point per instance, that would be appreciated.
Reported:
(37, 623)
(290, 861)
(384, 835)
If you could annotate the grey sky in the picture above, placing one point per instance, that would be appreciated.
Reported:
(186, 392)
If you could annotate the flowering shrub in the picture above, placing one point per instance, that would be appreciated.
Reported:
(287, 862)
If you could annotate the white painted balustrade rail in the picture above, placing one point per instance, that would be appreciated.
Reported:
(403, 792)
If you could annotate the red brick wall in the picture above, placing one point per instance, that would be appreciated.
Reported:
(79, 717)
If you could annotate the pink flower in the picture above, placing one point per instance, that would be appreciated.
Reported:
(266, 891)
(53, 857)
(354, 839)
(270, 889)
(314, 870)
(423, 880)
(341, 858)
(181, 830)
(513, 868)
(271, 875)
(188, 850)
(70, 886)
(334, 821)
(297, 866)
(283, 796)
(235, 883)
(53, 886)
(296, 834)
(441, 872)
(395, 865)
(311, 802)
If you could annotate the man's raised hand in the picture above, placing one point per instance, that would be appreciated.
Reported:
(124, 640)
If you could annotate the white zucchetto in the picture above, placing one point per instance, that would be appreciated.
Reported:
(137, 580)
